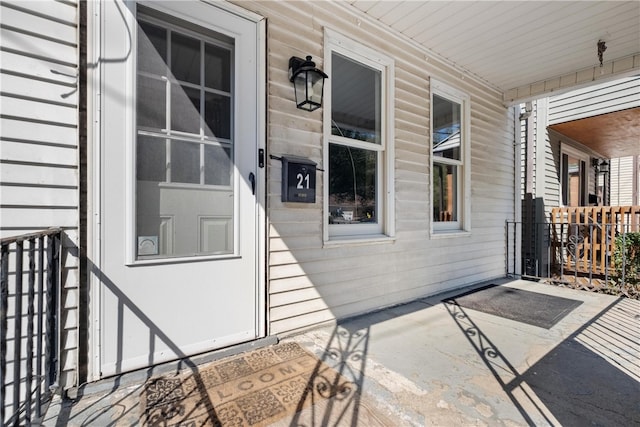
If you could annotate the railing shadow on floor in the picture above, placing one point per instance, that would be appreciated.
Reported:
(346, 353)
(583, 380)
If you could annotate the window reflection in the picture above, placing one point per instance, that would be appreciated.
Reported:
(447, 158)
(444, 192)
(446, 128)
(352, 185)
(355, 100)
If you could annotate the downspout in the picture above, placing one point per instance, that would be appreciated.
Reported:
(518, 117)
(82, 326)
(93, 149)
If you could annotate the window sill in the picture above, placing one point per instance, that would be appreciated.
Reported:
(446, 234)
(358, 240)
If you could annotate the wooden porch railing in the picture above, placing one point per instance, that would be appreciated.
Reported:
(583, 237)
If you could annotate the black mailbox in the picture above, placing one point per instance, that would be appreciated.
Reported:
(298, 180)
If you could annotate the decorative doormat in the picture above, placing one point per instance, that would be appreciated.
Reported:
(533, 308)
(251, 389)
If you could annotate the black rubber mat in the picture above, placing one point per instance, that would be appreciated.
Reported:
(533, 308)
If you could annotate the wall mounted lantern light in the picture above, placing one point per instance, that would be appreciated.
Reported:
(308, 82)
(603, 167)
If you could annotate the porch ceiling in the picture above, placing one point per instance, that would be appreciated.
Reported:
(612, 135)
(525, 49)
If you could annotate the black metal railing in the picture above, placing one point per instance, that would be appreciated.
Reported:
(591, 256)
(30, 276)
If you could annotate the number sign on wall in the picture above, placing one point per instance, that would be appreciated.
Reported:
(298, 180)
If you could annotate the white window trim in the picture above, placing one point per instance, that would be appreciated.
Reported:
(461, 226)
(384, 231)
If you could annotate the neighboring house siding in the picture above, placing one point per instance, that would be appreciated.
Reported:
(39, 136)
(599, 99)
(552, 187)
(594, 100)
(624, 172)
(546, 163)
(309, 283)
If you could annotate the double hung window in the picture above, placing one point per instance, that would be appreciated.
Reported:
(357, 146)
(450, 158)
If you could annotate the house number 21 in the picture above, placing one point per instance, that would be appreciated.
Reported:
(303, 181)
(298, 180)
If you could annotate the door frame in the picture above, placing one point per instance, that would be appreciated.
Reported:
(95, 89)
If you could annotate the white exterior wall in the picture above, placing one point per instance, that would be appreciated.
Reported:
(39, 136)
(309, 283)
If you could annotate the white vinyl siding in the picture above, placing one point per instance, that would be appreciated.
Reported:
(39, 167)
(309, 283)
(624, 172)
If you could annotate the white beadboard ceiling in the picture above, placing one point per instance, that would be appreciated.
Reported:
(525, 49)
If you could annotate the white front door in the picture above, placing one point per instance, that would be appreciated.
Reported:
(179, 211)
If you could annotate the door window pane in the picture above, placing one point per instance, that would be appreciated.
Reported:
(185, 109)
(151, 103)
(152, 49)
(217, 68)
(185, 58)
(352, 185)
(217, 115)
(185, 162)
(217, 165)
(151, 159)
(355, 100)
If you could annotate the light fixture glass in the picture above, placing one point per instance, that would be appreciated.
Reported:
(308, 82)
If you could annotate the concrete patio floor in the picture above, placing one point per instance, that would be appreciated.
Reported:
(430, 362)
